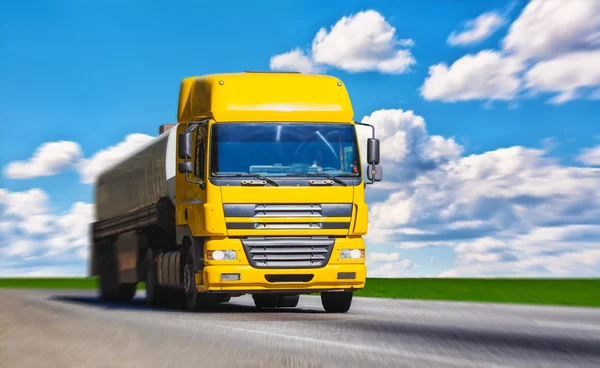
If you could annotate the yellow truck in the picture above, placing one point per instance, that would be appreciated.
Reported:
(258, 189)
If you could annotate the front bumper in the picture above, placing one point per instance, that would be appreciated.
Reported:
(254, 279)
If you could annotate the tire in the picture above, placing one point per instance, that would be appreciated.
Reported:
(107, 286)
(156, 295)
(195, 301)
(223, 298)
(288, 301)
(265, 300)
(336, 302)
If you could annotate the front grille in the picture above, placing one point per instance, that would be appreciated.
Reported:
(287, 225)
(270, 216)
(288, 210)
(288, 251)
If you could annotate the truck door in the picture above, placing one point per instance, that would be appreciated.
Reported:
(190, 209)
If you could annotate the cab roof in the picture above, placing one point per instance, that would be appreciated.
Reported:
(264, 96)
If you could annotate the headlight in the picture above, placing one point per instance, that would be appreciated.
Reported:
(352, 254)
(221, 255)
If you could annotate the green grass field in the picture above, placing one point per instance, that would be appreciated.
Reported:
(573, 292)
(52, 283)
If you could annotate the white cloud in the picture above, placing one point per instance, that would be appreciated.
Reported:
(511, 211)
(548, 28)
(392, 269)
(407, 150)
(104, 159)
(551, 47)
(376, 257)
(49, 159)
(566, 251)
(477, 29)
(565, 74)
(431, 259)
(294, 61)
(30, 203)
(32, 232)
(590, 156)
(361, 42)
(52, 158)
(487, 75)
(448, 274)
(406, 147)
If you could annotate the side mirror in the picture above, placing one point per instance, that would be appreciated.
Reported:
(186, 167)
(373, 151)
(185, 145)
(375, 173)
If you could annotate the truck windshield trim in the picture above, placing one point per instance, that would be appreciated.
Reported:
(284, 150)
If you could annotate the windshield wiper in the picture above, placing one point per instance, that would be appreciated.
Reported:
(260, 177)
(330, 177)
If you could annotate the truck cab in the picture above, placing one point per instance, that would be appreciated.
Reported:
(267, 195)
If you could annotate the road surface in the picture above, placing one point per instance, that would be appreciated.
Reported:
(70, 328)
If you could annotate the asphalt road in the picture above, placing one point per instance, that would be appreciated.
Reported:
(64, 328)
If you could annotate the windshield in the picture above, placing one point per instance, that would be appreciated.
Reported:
(284, 149)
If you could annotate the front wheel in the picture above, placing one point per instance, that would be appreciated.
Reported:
(195, 301)
(336, 302)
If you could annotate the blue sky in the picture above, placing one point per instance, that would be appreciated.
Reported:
(487, 171)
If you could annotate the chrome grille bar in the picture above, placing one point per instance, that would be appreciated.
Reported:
(288, 251)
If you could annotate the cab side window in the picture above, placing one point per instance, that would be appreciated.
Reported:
(200, 167)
